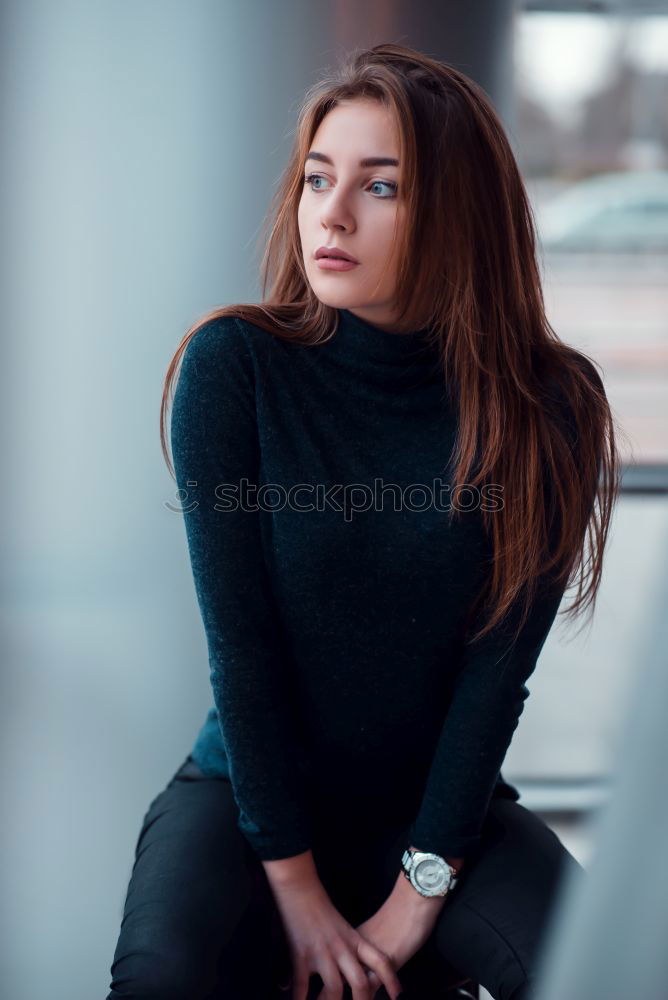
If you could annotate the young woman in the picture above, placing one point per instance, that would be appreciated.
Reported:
(388, 473)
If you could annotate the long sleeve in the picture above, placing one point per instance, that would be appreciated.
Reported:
(215, 447)
(486, 704)
(488, 699)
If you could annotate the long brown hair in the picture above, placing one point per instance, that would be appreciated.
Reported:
(468, 270)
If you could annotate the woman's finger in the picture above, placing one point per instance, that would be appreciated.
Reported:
(300, 981)
(380, 964)
(356, 976)
(374, 982)
(332, 979)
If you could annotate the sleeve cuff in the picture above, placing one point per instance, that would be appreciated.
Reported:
(277, 849)
(446, 845)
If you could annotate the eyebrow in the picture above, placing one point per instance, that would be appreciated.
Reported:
(368, 161)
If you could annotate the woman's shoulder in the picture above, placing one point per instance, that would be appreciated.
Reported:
(226, 343)
(563, 391)
(590, 371)
(217, 337)
(557, 379)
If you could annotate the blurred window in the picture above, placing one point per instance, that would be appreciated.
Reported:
(591, 137)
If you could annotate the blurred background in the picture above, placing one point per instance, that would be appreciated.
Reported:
(142, 143)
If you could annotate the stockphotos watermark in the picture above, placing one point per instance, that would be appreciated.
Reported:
(345, 498)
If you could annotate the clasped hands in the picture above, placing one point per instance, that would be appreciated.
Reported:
(365, 957)
(322, 941)
(401, 926)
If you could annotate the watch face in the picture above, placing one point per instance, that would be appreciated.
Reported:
(432, 875)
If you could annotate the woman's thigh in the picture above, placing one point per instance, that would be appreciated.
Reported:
(495, 923)
(196, 897)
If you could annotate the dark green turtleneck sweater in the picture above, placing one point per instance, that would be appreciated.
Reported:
(334, 625)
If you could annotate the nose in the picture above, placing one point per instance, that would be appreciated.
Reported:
(336, 214)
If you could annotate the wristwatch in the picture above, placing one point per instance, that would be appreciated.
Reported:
(428, 873)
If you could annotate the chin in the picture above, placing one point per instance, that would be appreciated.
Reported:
(335, 299)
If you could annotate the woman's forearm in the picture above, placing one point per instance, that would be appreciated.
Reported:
(299, 870)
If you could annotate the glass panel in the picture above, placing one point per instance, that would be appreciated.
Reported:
(591, 137)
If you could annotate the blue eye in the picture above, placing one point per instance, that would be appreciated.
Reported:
(390, 184)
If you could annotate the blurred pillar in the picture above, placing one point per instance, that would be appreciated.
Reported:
(609, 935)
(475, 38)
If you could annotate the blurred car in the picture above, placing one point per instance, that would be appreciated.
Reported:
(617, 212)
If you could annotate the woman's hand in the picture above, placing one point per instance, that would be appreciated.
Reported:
(322, 941)
(402, 925)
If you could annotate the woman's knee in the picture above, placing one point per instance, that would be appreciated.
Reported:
(176, 970)
(185, 954)
(186, 964)
(496, 924)
(193, 881)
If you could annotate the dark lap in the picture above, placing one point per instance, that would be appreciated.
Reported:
(194, 888)
(497, 920)
(198, 902)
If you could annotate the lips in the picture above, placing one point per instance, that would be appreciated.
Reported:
(335, 253)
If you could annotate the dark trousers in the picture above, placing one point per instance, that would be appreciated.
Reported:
(200, 921)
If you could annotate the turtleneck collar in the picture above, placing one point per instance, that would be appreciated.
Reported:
(383, 353)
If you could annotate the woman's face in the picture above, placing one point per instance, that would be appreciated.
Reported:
(353, 207)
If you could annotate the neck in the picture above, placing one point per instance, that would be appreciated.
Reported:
(384, 354)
